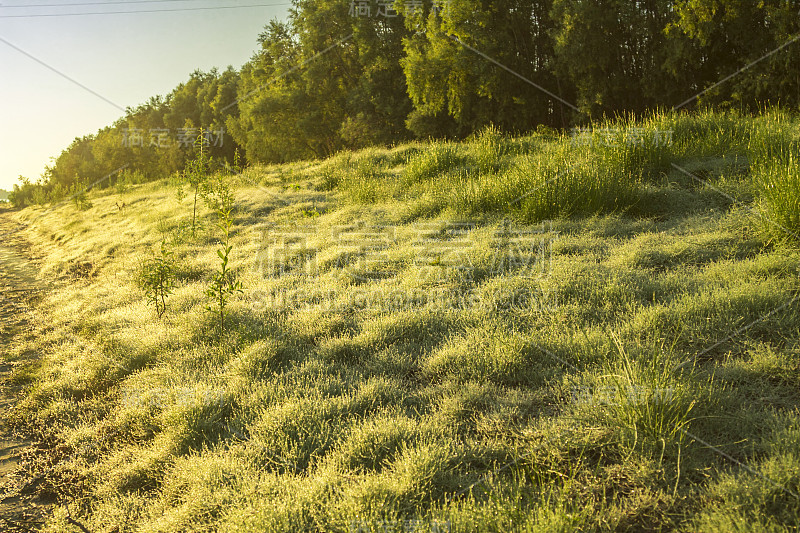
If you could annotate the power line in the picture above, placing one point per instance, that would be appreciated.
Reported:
(102, 3)
(140, 11)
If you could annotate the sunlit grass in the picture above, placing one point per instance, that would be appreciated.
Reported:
(450, 382)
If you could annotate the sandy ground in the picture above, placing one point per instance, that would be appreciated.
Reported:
(20, 508)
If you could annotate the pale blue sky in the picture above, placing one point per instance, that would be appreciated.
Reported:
(126, 58)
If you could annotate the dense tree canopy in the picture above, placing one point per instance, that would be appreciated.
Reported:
(342, 74)
(732, 34)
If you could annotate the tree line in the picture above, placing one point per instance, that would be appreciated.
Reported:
(342, 74)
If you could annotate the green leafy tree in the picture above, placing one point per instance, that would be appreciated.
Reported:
(732, 34)
(268, 122)
(617, 55)
(295, 103)
(453, 77)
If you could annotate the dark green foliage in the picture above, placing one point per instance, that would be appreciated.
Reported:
(22, 196)
(616, 56)
(725, 35)
(453, 75)
(325, 81)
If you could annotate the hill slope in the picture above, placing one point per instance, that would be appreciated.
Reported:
(533, 334)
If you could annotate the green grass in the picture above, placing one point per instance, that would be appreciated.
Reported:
(424, 349)
(607, 168)
(778, 189)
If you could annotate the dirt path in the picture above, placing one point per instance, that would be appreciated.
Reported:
(19, 510)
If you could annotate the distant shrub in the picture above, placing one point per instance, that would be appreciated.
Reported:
(27, 194)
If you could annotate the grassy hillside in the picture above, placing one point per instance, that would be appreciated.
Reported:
(540, 333)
